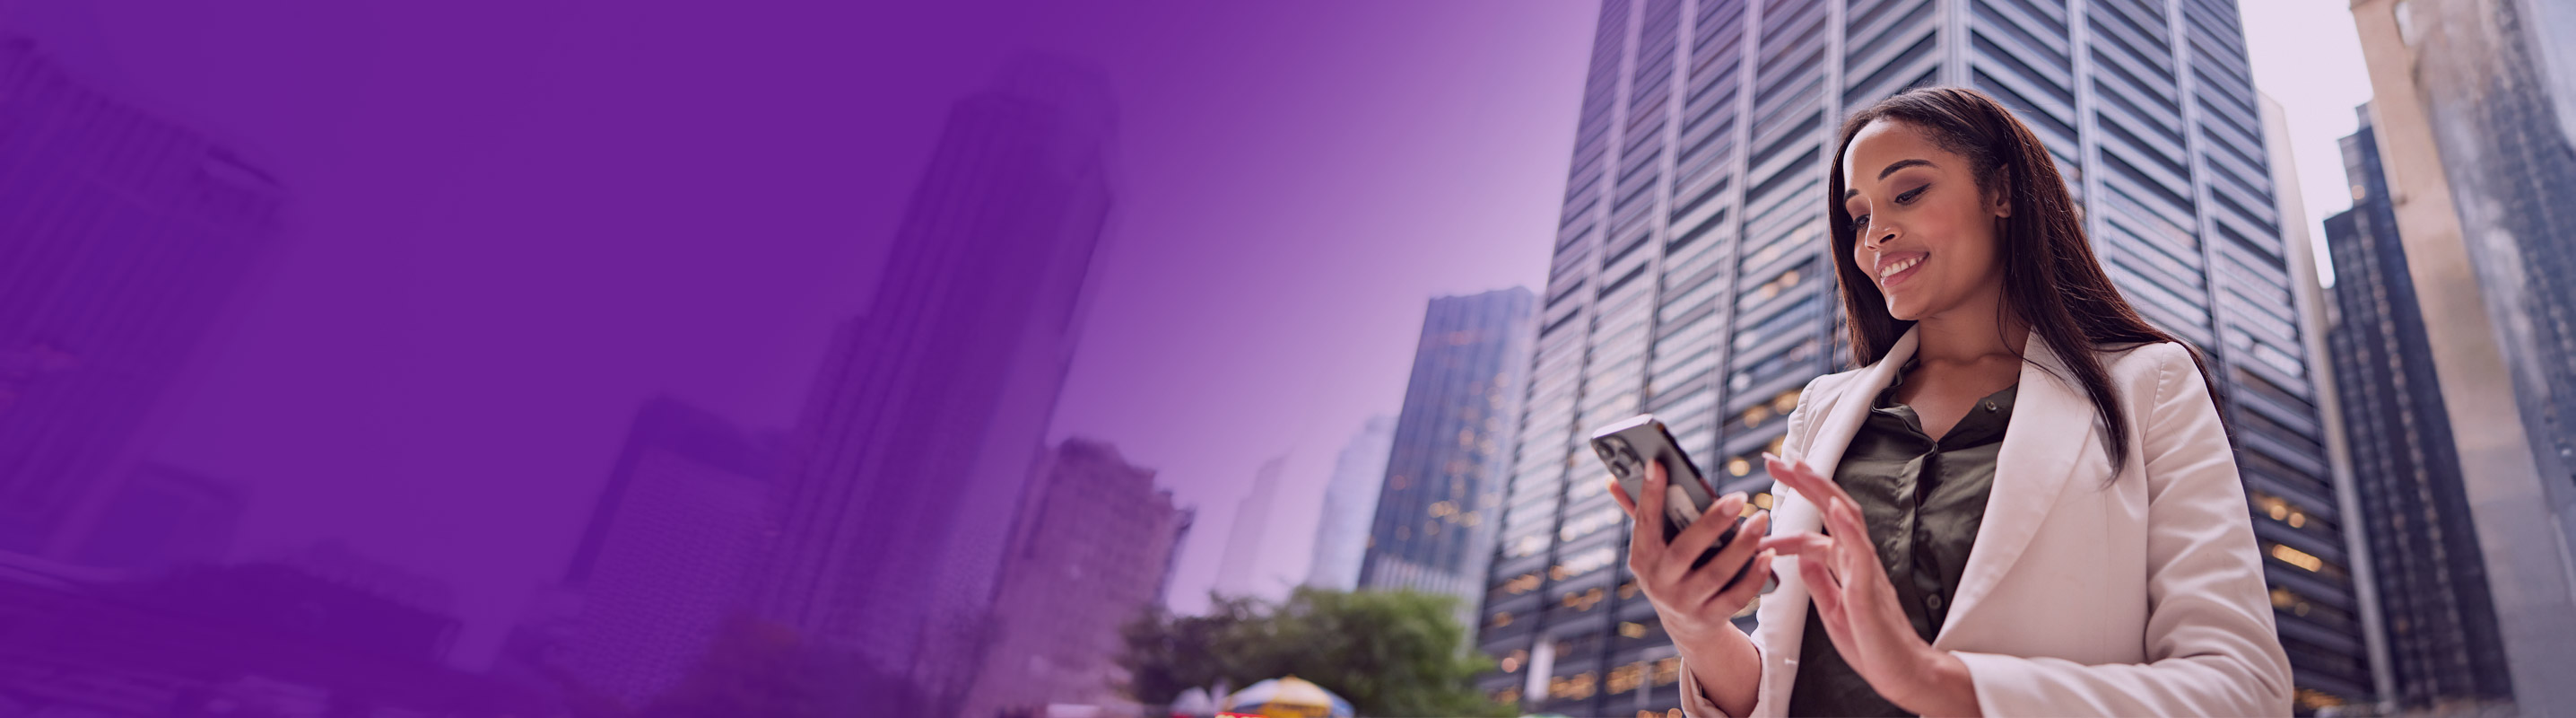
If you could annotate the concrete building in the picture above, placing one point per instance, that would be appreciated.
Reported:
(2472, 107)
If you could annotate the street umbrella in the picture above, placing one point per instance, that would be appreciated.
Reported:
(1287, 697)
(1193, 703)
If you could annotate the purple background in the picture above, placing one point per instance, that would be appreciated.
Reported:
(509, 223)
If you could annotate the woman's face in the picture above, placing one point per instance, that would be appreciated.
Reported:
(1924, 231)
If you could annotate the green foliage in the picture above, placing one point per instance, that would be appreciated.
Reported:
(1395, 653)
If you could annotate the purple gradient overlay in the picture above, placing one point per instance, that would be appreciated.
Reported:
(695, 358)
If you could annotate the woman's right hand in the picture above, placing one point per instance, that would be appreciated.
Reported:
(1693, 602)
(1696, 606)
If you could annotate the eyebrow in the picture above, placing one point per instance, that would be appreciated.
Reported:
(1892, 167)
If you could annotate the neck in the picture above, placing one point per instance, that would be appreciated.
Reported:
(1976, 331)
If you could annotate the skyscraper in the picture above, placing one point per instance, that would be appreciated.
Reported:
(929, 413)
(1689, 280)
(670, 543)
(2474, 111)
(2444, 646)
(1350, 503)
(1434, 526)
(123, 238)
(1243, 571)
(1089, 554)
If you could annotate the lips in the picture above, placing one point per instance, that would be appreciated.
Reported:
(1895, 268)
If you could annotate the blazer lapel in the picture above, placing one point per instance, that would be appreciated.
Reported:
(1840, 418)
(2051, 422)
(1849, 407)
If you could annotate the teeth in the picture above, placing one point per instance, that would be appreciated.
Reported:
(1900, 266)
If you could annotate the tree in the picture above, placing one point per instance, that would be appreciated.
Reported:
(1394, 653)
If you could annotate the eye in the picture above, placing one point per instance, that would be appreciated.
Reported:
(1909, 195)
(1860, 222)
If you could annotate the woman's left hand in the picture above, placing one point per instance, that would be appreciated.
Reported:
(1859, 606)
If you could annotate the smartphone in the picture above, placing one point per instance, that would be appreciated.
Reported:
(1626, 446)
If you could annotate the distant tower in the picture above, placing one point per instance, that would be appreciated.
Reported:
(1350, 503)
(1243, 572)
(936, 400)
(1436, 516)
(2445, 649)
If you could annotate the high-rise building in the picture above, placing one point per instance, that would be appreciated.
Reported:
(1350, 503)
(1090, 553)
(1434, 525)
(935, 401)
(670, 544)
(2473, 109)
(123, 238)
(1689, 279)
(2443, 643)
(1243, 569)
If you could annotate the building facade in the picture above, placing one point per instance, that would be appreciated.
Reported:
(2444, 647)
(944, 387)
(1090, 554)
(1689, 280)
(1245, 568)
(1350, 504)
(2473, 110)
(1434, 525)
(123, 238)
(670, 545)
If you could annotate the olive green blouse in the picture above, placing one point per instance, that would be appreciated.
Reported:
(1923, 499)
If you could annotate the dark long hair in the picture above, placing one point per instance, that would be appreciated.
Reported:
(2051, 278)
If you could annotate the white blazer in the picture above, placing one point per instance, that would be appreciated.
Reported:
(2144, 596)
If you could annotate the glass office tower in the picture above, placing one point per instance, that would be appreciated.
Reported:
(1689, 280)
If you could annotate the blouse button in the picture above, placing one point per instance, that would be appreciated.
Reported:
(1990, 405)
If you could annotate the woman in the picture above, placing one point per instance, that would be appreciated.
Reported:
(2022, 504)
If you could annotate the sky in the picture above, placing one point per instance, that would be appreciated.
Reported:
(511, 223)
(2307, 56)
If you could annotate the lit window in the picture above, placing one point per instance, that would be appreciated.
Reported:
(2297, 557)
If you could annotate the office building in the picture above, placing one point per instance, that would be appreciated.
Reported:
(2443, 642)
(1434, 525)
(1091, 551)
(124, 236)
(2472, 107)
(670, 544)
(944, 387)
(1689, 279)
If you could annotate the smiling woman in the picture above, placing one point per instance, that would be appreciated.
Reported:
(2024, 502)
